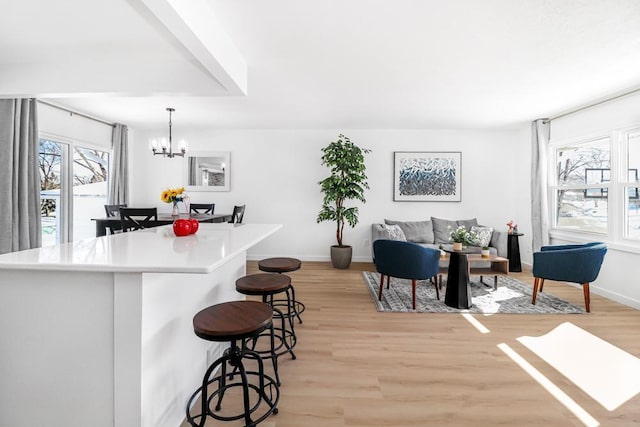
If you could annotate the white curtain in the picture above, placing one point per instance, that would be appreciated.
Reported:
(119, 174)
(20, 226)
(540, 134)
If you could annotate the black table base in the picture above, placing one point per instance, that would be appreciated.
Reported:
(458, 293)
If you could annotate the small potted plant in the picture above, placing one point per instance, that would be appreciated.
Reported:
(485, 252)
(461, 236)
(442, 252)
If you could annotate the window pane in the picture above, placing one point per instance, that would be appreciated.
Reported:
(89, 190)
(633, 212)
(584, 164)
(633, 156)
(577, 212)
(49, 161)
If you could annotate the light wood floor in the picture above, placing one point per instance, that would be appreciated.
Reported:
(358, 367)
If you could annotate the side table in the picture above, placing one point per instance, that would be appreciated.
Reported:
(458, 294)
(513, 252)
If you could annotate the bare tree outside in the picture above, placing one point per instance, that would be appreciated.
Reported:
(577, 207)
(50, 158)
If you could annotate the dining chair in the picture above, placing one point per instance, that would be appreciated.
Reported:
(237, 215)
(132, 219)
(568, 263)
(112, 211)
(406, 260)
(202, 208)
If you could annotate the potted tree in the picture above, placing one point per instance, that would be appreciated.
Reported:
(347, 181)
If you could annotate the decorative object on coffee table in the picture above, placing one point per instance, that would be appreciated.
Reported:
(427, 176)
(347, 181)
(460, 236)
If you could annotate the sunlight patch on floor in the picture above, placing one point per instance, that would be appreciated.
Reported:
(476, 324)
(490, 303)
(605, 372)
(560, 395)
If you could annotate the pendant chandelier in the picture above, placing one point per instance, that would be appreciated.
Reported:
(164, 147)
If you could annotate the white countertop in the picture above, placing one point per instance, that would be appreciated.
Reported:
(153, 250)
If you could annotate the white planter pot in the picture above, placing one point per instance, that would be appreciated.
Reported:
(457, 246)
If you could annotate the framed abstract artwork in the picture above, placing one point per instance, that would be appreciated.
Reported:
(427, 176)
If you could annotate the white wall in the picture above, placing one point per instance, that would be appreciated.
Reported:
(622, 262)
(275, 173)
(67, 126)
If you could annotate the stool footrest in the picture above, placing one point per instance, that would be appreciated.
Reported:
(266, 390)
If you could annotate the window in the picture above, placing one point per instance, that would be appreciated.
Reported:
(631, 148)
(580, 186)
(51, 155)
(595, 187)
(73, 189)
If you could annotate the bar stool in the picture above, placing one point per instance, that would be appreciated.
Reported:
(268, 285)
(284, 265)
(234, 322)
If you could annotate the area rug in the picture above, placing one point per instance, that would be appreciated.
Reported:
(512, 296)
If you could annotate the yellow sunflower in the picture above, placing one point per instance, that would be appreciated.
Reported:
(165, 196)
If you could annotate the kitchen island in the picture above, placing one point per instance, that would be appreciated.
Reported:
(99, 332)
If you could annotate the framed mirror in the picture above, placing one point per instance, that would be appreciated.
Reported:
(207, 170)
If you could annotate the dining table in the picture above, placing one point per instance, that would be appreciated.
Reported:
(103, 223)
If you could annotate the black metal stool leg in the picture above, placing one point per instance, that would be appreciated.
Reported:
(296, 302)
(223, 375)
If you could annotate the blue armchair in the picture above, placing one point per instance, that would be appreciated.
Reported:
(568, 263)
(405, 260)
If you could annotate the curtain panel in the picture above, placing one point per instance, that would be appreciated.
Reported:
(119, 176)
(540, 134)
(20, 225)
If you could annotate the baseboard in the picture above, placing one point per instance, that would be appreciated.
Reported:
(614, 296)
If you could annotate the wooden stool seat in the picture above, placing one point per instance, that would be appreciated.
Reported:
(262, 283)
(279, 265)
(233, 320)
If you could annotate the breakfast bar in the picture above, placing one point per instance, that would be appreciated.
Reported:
(99, 332)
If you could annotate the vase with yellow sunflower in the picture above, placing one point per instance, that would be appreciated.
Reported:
(173, 195)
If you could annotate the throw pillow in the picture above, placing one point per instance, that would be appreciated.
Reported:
(483, 233)
(442, 229)
(467, 223)
(416, 231)
(394, 232)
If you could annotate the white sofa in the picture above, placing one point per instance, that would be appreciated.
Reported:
(435, 232)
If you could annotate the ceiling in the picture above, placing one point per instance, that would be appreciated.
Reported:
(338, 64)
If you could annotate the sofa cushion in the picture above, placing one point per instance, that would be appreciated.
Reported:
(442, 229)
(415, 231)
(393, 232)
(483, 233)
(467, 223)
